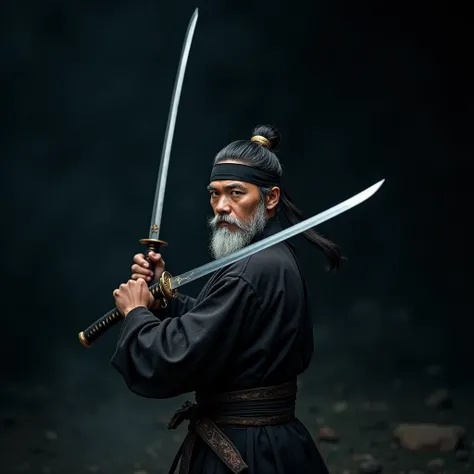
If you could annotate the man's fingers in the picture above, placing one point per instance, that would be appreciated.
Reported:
(156, 258)
(145, 276)
(140, 270)
(139, 259)
(136, 276)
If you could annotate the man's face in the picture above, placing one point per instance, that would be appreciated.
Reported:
(239, 215)
(234, 198)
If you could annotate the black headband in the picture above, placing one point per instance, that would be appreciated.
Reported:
(245, 173)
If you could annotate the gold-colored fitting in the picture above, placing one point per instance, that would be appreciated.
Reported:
(261, 140)
(83, 339)
(165, 288)
(153, 243)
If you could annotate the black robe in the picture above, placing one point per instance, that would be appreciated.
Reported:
(249, 327)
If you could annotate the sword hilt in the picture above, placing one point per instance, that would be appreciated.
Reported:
(153, 245)
(160, 290)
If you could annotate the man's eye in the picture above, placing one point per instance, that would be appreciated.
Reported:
(213, 193)
(235, 193)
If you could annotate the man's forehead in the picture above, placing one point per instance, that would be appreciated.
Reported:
(227, 184)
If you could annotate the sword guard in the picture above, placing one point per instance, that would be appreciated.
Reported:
(153, 245)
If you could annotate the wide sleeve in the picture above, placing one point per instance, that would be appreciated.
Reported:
(162, 359)
(176, 307)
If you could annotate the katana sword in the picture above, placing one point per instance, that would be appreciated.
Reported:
(153, 241)
(167, 286)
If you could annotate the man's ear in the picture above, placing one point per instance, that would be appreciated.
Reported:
(272, 198)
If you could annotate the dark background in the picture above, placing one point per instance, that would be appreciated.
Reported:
(359, 92)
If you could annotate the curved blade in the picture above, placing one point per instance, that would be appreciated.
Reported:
(284, 234)
(166, 152)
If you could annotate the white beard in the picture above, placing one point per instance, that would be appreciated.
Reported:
(225, 241)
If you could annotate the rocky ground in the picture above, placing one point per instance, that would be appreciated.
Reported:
(393, 425)
(403, 427)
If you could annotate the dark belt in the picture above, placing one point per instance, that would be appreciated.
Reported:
(210, 411)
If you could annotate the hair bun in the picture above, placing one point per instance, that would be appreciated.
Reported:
(268, 132)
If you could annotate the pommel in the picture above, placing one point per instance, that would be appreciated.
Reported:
(83, 340)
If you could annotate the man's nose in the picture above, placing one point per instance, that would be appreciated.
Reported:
(222, 206)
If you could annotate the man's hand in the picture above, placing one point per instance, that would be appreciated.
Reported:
(132, 294)
(141, 268)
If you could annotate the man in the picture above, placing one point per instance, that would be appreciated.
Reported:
(241, 344)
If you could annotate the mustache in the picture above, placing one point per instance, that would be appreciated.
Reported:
(213, 222)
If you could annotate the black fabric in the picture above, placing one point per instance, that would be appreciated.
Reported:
(248, 408)
(249, 327)
(276, 449)
(249, 174)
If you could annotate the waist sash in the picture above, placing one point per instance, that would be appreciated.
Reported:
(261, 406)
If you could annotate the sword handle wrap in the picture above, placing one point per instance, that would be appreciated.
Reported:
(160, 290)
(89, 335)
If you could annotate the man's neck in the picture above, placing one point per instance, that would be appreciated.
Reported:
(272, 227)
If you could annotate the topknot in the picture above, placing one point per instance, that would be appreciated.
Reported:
(268, 132)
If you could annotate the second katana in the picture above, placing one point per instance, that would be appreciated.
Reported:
(166, 288)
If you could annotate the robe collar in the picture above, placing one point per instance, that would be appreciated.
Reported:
(273, 226)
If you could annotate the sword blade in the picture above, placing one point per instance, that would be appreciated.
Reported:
(296, 229)
(166, 151)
